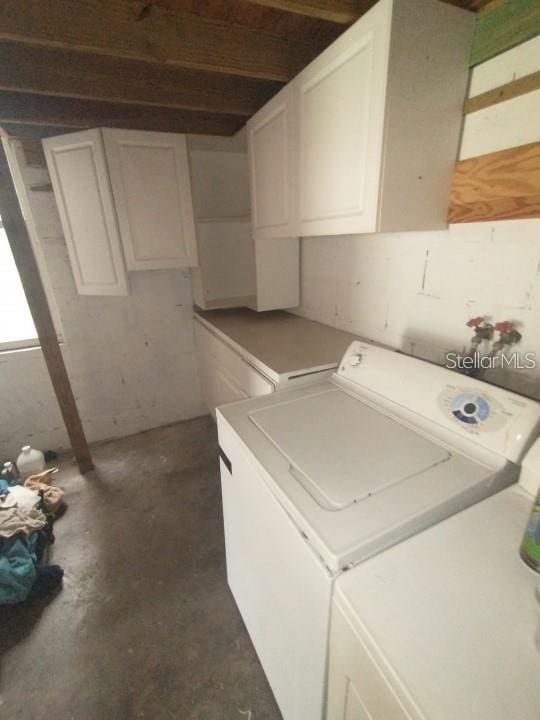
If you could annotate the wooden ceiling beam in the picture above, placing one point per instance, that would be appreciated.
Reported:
(28, 109)
(54, 71)
(343, 12)
(152, 33)
(337, 11)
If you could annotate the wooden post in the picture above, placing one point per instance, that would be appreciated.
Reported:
(23, 253)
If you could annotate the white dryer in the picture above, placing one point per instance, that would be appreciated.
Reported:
(316, 480)
(444, 625)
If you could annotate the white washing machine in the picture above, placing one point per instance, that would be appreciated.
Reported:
(318, 479)
(444, 625)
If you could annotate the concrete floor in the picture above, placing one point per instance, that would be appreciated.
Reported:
(145, 626)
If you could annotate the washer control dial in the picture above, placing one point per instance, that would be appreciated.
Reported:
(472, 410)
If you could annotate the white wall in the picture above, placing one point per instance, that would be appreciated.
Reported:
(130, 359)
(416, 291)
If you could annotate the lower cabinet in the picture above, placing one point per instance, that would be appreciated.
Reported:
(224, 375)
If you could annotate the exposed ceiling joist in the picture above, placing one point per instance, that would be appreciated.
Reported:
(156, 34)
(26, 109)
(257, 17)
(58, 72)
(337, 11)
(187, 66)
(343, 11)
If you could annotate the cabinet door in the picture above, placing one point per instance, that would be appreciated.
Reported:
(152, 191)
(81, 186)
(341, 103)
(271, 166)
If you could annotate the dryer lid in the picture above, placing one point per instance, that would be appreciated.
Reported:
(342, 450)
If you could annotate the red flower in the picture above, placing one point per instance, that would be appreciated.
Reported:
(475, 322)
(504, 327)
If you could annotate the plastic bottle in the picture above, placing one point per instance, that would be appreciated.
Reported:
(30, 461)
(10, 473)
(537, 636)
(530, 547)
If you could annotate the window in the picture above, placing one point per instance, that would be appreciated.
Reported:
(17, 328)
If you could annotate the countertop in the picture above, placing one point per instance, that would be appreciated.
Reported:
(282, 342)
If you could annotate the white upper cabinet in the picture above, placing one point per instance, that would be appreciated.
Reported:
(365, 138)
(124, 199)
(80, 181)
(151, 186)
(271, 139)
(341, 102)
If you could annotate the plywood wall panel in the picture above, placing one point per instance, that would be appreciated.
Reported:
(498, 186)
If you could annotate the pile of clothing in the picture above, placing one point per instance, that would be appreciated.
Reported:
(27, 514)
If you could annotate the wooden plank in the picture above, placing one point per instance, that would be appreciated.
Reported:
(54, 71)
(32, 109)
(501, 25)
(510, 90)
(25, 261)
(498, 127)
(343, 12)
(337, 11)
(499, 186)
(157, 35)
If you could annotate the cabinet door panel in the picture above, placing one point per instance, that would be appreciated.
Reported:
(341, 98)
(151, 186)
(81, 186)
(270, 143)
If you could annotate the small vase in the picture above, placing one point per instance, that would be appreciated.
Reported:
(30, 461)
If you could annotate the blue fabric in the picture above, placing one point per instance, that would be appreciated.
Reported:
(4, 485)
(17, 568)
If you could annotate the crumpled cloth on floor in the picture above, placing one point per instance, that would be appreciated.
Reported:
(24, 498)
(48, 580)
(14, 521)
(25, 533)
(17, 568)
(21, 578)
(53, 496)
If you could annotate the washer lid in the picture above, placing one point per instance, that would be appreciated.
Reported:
(341, 450)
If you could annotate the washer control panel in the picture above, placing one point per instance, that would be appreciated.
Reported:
(493, 417)
(474, 411)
